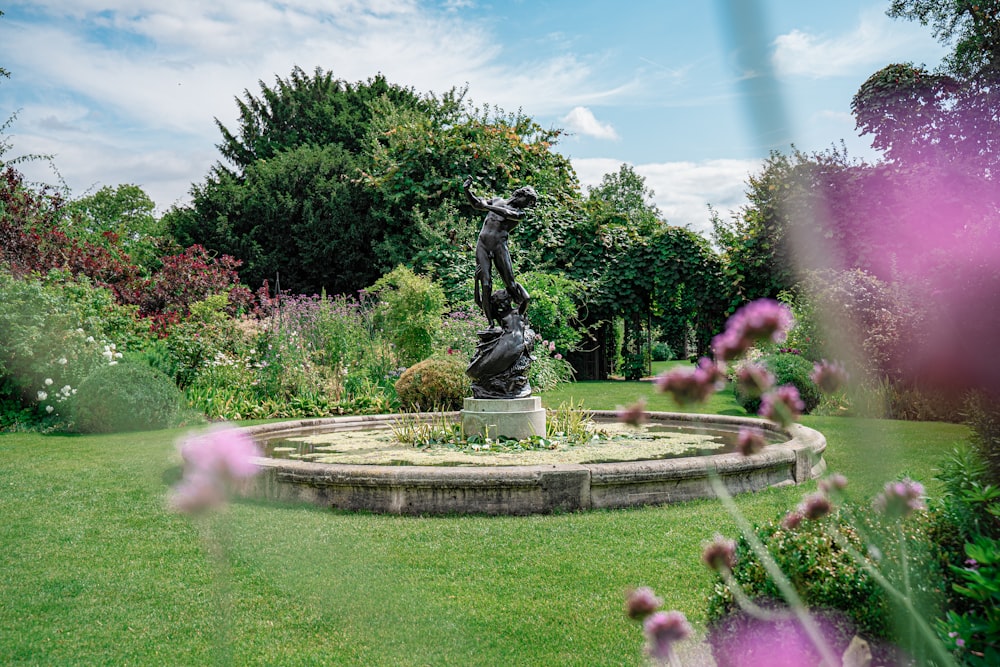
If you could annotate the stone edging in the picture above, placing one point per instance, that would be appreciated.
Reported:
(522, 490)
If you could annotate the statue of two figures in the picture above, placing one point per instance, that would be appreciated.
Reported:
(499, 367)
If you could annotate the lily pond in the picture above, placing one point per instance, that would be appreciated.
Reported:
(607, 442)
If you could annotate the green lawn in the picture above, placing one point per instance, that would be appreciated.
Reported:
(97, 571)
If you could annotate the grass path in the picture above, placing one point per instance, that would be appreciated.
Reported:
(97, 571)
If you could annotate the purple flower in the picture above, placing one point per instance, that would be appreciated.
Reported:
(792, 520)
(782, 405)
(829, 376)
(763, 319)
(662, 629)
(753, 379)
(633, 415)
(688, 385)
(815, 506)
(750, 441)
(900, 499)
(719, 553)
(833, 484)
(211, 460)
(642, 602)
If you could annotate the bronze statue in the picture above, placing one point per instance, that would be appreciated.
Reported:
(499, 368)
(491, 250)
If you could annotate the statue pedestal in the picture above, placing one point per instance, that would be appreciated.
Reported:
(516, 418)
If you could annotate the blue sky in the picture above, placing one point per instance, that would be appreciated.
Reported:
(125, 91)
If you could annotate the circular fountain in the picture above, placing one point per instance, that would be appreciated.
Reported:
(392, 480)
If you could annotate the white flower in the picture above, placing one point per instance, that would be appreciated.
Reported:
(74, 392)
(62, 361)
(49, 408)
(112, 363)
(66, 390)
(42, 395)
(79, 330)
(118, 355)
(48, 382)
(90, 339)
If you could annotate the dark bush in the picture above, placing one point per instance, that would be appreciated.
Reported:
(434, 384)
(127, 397)
(787, 368)
(661, 351)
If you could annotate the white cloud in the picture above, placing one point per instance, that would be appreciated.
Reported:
(146, 92)
(582, 120)
(683, 190)
(875, 41)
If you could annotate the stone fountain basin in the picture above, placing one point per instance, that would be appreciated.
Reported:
(532, 489)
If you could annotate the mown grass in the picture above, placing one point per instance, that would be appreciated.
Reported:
(96, 570)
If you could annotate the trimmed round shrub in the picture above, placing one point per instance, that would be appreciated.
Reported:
(661, 351)
(127, 397)
(434, 384)
(787, 368)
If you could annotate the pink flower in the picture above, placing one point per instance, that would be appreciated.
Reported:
(792, 520)
(900, 499)
(719, 553)
(633, 415)
(211, 460)
(641, 602)
(552, 347)
(558, 356)
(815, 506)
(750, 441)
(833, 484)
(782, 405)
(763, 319)
(695, 385)
(829, 376)
(753, 379)
(662, 629)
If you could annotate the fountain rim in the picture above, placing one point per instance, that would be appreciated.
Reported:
(530, 489)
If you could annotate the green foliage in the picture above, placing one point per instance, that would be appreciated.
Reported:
(826, 576)
(554, 308)
(410, 311)
(983, 417)
(622, 199)
(972, 29)
(787, 368)
(53, 333)
(661, 351)
(547, 371)
(127, 397)
(438, 383)
(127, 213)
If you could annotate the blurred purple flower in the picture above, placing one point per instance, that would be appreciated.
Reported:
(662, 630)
(900, 499)
(688, 385)
(642, 602)
(782, 405)
(763, 319)
(753, 379)
(815, 506)
(750, 441)
(719, 553)
(633, 415)
(833, 484)
(792, 520)
(211, 460)
(829, 376)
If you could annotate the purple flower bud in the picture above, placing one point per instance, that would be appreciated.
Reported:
(763, 319)
(833, 484)
(792, 520)
(829, 376)
(633, 415)
(719, 553)
(662, 629)
(688, 386)
(782, 405)
(900, 499)
(641, 602)
(815, 506)
(753, 380)
(750, 441)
